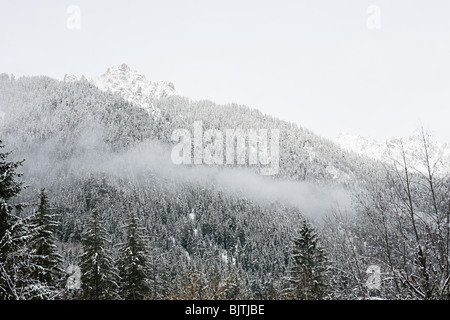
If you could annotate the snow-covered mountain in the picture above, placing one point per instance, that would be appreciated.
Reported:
(131, 85)
(390, 151)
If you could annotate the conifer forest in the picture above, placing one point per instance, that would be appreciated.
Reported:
(93, 208)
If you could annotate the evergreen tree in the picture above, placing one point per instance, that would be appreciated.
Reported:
(15, 261)
(98, 272)
(17, 265)
(9, 188)
(43, 245)
(310, 269)
(133, 262)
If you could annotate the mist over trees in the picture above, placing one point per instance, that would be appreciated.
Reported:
(136, 227)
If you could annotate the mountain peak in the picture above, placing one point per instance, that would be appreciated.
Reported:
(124, 67)
(134, 87)
(120, 69)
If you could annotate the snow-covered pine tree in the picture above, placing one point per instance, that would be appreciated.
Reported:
(133, 261)
(310, 267)
(98, 273)
(15, 260)
(43, 245)
(16, 280)
(9, 188)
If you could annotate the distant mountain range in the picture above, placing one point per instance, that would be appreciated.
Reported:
(389, 151)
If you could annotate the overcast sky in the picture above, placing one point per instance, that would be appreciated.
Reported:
(315, 62)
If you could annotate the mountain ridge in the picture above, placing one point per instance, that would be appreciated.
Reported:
(389, 151)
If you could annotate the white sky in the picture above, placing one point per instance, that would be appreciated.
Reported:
(312, 62)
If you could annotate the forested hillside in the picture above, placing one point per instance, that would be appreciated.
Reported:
(200, 232)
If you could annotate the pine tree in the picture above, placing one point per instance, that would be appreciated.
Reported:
(133, 262)
(310, 269)
(43, 245)
(98, 272)
(16, 281)
(9, 188)
(15, 261)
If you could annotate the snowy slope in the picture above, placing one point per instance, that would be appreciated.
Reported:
(390, 151)
(132, 86)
